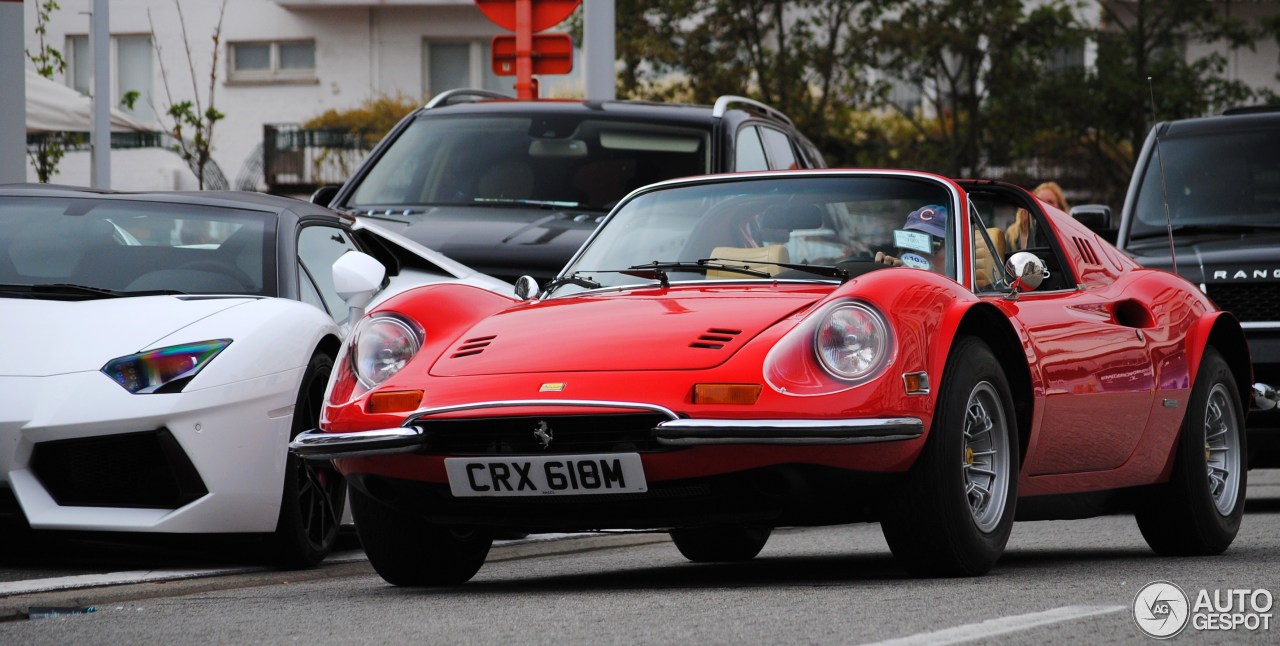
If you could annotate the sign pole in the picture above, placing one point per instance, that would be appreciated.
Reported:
(598, 46)
(100, 134)
(525, 89)
(13, 99)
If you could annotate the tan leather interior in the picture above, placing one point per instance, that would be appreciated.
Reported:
(768, 253)
(984, 259)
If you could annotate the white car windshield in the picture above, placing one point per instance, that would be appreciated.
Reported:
(122, 247)
(710, 231)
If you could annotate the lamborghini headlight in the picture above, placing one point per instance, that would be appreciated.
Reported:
(852, 342)
(381, 346)
(167, 370)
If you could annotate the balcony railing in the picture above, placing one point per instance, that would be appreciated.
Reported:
(299, 160)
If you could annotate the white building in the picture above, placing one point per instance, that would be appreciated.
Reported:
(279, 61)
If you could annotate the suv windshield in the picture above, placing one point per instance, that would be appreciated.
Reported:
(825, 221)
(1215, 182)
(557, 160)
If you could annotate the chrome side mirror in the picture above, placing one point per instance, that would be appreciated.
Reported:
(526, 288)
(1028, 272)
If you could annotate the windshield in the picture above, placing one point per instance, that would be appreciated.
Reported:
(1216, 181)
(562, 161)
(828, 221)
(135, 246)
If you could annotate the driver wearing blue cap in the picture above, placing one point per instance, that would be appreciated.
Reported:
(921, 240)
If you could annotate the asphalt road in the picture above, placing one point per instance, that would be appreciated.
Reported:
(1060, 582)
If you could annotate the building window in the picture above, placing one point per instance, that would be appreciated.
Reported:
(448, 65)
(131, 60)
(272, 61)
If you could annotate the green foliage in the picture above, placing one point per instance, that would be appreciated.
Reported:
(372, 119)
(998, 96)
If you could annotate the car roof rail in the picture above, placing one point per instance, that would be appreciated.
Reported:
(723, 103)
(1251, 109)
(450, 97)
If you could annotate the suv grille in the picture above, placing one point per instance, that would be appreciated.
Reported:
(569, 434)
(145, 470)
(1249, 302)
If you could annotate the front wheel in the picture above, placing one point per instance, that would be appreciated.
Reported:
(721, 544)
(405, 550)
(1198, 511)
(314, 492)
(953, 514)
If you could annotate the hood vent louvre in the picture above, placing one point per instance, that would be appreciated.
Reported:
(1086, 251)
(715, 338)
(472, 346)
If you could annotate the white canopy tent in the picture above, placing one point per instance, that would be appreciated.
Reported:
(53, 107)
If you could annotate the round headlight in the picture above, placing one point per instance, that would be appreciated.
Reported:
(852, 342)
(382, 346)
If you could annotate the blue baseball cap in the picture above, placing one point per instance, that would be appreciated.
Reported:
(930, 219)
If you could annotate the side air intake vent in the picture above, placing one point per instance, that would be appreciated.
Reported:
(1086, 251)
(472, 346)
(715, 338)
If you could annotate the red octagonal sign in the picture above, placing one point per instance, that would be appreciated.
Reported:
(546, 13)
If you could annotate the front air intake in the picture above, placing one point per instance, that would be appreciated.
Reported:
(715, 338)
(145, 470)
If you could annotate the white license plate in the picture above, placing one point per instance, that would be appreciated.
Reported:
(547, 475)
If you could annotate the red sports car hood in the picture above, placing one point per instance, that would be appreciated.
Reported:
(651, 330)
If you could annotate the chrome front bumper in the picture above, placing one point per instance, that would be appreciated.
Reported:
(676, 431)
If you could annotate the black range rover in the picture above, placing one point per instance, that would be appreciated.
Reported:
(1221, 176)
(514, 187)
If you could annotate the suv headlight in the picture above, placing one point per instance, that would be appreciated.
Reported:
(382, 345)
(852, 342)
(167, 370)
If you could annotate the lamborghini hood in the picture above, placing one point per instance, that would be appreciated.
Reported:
(636, 330)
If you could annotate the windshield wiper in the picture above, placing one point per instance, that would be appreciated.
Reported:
(658, 270)
(571, 279)
(70, 289)
(821, 270)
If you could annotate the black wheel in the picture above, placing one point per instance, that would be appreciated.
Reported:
(953, 514)
(721, 544)
(314, 492)
(406, 550)
(1198, 511)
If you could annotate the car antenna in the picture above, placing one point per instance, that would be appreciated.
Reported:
(1164, 191)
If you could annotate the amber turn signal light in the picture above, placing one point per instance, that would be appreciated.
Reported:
(726, 393)
(394, 401)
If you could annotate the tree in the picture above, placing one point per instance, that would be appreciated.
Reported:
(804, 57)
(193, 119)
(49, 147)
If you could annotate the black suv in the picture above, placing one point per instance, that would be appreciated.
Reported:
(514, 187)
(1221, 181)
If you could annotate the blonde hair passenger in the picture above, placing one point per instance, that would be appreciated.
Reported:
(1020, 234)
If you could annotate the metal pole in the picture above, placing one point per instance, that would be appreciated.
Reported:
(100, 134)
(13, 99)
(598, 50)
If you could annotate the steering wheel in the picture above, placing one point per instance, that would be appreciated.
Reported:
(858, 265)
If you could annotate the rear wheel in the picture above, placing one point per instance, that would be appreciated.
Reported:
(314, 492)
(954, 513)
(721, 544)
(406, 550)
(1198, 511)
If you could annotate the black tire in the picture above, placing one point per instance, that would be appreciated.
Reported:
(314, 492)
(405, 550)
(932, 524)
(721, 544)
(1198, 511)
